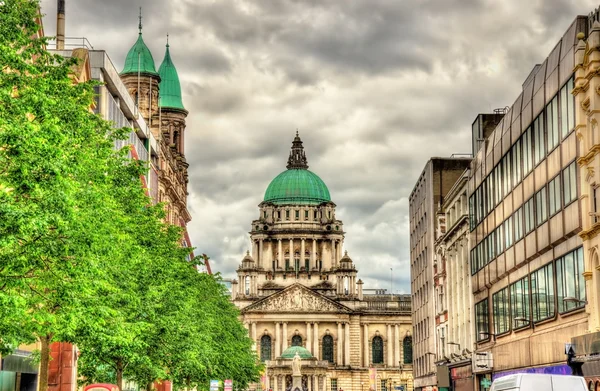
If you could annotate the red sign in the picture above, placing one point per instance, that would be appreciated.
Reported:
(228, 385)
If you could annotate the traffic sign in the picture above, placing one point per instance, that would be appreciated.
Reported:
(214, 385)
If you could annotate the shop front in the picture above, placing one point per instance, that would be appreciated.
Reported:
(461, 377)
(584, 358)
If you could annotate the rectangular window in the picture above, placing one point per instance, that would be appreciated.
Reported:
(571, 105)
(474, 261)
(507, 173)
(287, 214)
(527, 151)
(491, 245)
(482, 321)
(539, 150)
(297, 214)
(529, 216)
(554, 204)
(552, 123)
(508, 233)
(383, 385)
(542, 293)
(316, 216)
(518, 224)
(516, 166)
(569, 281)
(569, 183)
(472, 216)
(501, 311)
(498, 183)
(519, 301)
(334, 385)
(541, 207)
(306, 215)
(499, 239)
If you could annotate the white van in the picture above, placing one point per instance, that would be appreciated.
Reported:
(538, 382)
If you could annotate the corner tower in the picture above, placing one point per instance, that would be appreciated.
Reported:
(141, 79)
(172, 127)
(297, 238)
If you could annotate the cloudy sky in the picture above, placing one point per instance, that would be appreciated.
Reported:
(375, 88)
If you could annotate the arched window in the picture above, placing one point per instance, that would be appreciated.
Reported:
(247, 283)
(377, 350)
(407, 349)
(296, 340)
(265, 348)
(328, 348)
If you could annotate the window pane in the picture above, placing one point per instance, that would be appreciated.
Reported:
(554, 195)
(529, 216)
(482, 320)
(500, 308)
(328, 348)
(541, 210)
(570, 105)
(518, 224)
(539, 140)
(377, 350)
(542, 293)
(519, 294)
(265, 348)
(527, 152)
(564, 120)
(570, 282)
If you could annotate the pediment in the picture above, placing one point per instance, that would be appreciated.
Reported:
(297, 298)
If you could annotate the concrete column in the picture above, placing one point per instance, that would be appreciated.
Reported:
(390, 348)
(314, 381)
(339, 345)
(302, 252)
(396, 345)
(277, 340)
(284, 341)
(280, 256)
(259, 262)
(347, 344)
(316, 340)
(313, 255)
(308, 337)
(366, 345)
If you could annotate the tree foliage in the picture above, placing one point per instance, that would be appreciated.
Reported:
(84, 255)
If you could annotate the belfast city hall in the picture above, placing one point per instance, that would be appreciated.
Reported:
(314, 326)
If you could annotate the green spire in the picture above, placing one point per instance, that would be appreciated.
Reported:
(139, 57)
(169, 87)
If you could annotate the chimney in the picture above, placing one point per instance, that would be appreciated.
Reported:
(60, 24)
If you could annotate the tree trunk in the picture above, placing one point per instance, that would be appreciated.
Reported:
(149, 386)
(44, 361)
(120, 374)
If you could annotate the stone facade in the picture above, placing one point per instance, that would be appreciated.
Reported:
(296, 288)
(436, 180)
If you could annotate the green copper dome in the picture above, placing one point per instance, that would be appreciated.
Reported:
(297, 187)
(291, 352)
(169, 88)
(139, 59)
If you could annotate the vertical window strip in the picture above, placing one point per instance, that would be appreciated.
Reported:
(552, 123)
(541, 210)
(570, 282)
(519, 297)
(542, 293)
(554, 195)
(539, 140)
(527, 151)
(500, 304)
(570, 105)
(482, 320)
(529, 216)
(518, 224)
(564, 118)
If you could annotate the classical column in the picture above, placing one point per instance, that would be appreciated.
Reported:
(277, 340)
(254, 250)
(316, 340)
(339, 345)
(292, 253)
(302, 252)
(280, 257)
(314, 381)
(390, 348)
(366, 345)
(267, 382)
(259, 262)
(333, 257)
(347, 344)
(308, 337)
(254, 331)
(284, 339)
(396, 345)
(313, 255)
